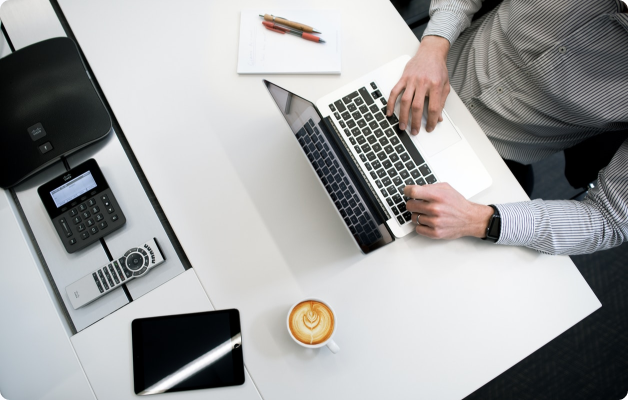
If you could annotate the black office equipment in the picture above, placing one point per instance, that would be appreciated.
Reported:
(48, 108)
(187, 352)
(81, 206)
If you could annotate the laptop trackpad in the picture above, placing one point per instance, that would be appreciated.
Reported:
(441, 138)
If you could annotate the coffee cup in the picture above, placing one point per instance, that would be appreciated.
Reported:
(312, 324)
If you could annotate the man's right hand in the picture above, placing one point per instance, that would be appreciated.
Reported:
(425, 75)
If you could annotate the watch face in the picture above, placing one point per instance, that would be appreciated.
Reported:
(494, 228)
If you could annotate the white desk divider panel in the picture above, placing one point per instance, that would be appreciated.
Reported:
(66, 268)
(142, 223)
(109, 367)
(30, 21)
(37, 360)
(4, 47)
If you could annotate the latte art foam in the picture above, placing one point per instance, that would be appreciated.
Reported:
(311, 322)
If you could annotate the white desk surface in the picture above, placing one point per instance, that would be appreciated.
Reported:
(416, 319)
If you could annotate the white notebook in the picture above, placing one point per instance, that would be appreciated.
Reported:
(263, 51)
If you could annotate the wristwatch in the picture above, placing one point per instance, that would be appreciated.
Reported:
(494, 228)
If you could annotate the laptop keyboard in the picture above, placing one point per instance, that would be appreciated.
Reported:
(387, 155)
(333, 175)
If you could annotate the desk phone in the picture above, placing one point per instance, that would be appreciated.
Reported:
(81, 206)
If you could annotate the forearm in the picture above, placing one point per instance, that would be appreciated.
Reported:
(448, 18)
(599, 222)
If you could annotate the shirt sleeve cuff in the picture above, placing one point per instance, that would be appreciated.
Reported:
(517, 220)
(447, 24)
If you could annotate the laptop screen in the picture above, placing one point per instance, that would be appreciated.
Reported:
(335, 171)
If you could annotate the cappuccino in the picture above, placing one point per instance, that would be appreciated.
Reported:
(311, 322)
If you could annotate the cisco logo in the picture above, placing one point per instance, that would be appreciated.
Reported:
(66, 177)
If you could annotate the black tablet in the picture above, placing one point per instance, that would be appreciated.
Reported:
(186, 352)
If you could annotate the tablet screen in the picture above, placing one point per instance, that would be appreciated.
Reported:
(186, 352)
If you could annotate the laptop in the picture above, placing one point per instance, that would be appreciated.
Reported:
(364, 161)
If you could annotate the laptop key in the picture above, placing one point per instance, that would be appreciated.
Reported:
(351, 107)
(384, 124)
(404, 174)
(387, 164)
(384, 141)
(374, 108)
(386, 181)
(361, 123)
(397, 181)
(381, 155)
(372, 157)
(368, 117)
(420, 182)
(394, 141)
(356, 115)
(378, 133)
(373, 124)
(366, 96)
(394, 157)
(401, 220)
(366, 148)
(339, 106)
(407, 216)
(377, 148)
(371, 139)
(389, 201)
(357, 149)
(373, 175)
(415, 174)
(410, 165)
(368, 166)
(409, 182)
(376, 164)
(430, 179)
(397, 199)
(399, 149)
(345, 115)
(391, 190)
(359, 101)
(363, 157)
(388, 149)
(351, 123)
(399, 165)
(379, 183)
(405, 157)
(347, 99)
(352, 140)
(390, 133)
(392, 172)
(425, 170)
(363, 109)
(366, 131)
(381, 173)
(379, 116)
(355, 131)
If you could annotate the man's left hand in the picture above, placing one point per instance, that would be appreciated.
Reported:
(443, 213)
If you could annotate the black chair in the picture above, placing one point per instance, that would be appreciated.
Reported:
(584, 160)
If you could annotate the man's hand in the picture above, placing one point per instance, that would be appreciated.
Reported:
(425, 75)
(443, 213)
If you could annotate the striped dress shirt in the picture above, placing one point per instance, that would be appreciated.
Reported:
(540, 76)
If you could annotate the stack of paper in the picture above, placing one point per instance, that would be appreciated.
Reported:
(266, 52)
